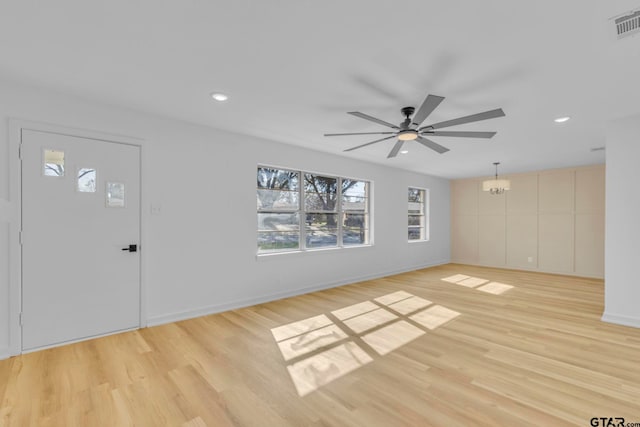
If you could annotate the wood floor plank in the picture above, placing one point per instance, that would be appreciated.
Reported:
(536, 354)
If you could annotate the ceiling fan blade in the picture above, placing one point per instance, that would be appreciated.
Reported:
(467, 119)
(462, 134)
(430, 144)
(372, 119)
(360, 133)
(396, 148)
(369, 143)
(427, 107)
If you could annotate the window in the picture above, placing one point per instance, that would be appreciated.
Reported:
(355, 212)
(87, 180)
(417, 213)
(304, 211)
(115, 195)
(53, 163)
(278, 210)
(321, 210)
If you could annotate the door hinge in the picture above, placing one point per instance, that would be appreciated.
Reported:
(20, 151)
(20, 237)
(20, 319)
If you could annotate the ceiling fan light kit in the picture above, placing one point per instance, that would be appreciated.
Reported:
(411, 130)
(496, 186)
(408, 135)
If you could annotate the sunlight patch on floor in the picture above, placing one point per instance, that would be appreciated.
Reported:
(293, 329)
(456, 278)
(305, 343)
(483, 285)
(409, 305)
(370, 320)
(319, 350)
(394, 297)
(354, 310)
(434, 316)
(495, 288)
(392, 337)
(472, 282)
(316, 371)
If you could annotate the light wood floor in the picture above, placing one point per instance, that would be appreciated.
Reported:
(536, 355)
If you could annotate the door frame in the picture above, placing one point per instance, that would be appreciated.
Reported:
(16, 126)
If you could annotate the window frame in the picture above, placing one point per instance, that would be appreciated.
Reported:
(302, 214)
(425, 215)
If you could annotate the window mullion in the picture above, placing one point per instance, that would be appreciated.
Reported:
(302, 217)
(339, 212)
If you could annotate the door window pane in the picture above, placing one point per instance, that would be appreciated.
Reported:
(53, 162)
(115, 195)
(87, 180)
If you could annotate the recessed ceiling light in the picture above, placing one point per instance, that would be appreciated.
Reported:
(404, 151)
(561, 119)
(219, 96)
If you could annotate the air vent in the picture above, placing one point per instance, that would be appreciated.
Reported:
(628, 25)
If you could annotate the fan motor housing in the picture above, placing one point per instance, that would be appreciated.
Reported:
(408, 111)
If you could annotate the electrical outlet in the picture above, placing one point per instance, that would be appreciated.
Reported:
(530, 259)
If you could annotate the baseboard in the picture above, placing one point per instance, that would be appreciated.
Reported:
(621, 320)
(233, 305)
(531, 269)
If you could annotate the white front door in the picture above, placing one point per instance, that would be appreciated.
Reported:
(80, 209)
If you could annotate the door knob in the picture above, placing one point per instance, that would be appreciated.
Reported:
(131, 248)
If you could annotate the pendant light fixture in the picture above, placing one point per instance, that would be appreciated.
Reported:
(496, 186)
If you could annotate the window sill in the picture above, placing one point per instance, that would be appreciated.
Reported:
(266, 256)
(417, 241)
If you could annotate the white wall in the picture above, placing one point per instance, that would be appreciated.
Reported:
(201, 249)
(622, 244)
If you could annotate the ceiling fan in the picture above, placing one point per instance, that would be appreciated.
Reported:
(410, 129)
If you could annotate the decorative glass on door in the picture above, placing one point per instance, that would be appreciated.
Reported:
(53, 162)
(115, 195)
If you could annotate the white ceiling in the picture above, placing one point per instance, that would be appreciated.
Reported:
(293, 68)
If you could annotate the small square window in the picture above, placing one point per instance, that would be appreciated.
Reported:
(115, 195)
(53, 162)
(87, 180)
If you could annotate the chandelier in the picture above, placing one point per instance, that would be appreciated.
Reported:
(496, 186)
